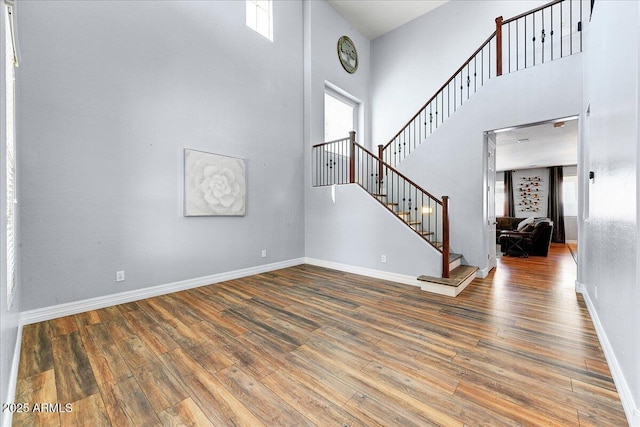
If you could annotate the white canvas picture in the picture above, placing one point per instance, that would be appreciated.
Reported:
(213, 184)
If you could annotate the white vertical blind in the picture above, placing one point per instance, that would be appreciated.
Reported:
(11, 61)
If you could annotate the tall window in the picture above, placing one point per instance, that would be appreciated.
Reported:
(499, 196)
(11, 62)
(340, 115)
(260, 17)
(570, 195)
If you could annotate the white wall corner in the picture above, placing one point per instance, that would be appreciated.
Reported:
(7, 416)
(482, 273)
(629, 405)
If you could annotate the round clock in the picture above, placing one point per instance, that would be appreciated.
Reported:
(348, 54)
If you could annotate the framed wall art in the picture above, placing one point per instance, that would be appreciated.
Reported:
(214, 185)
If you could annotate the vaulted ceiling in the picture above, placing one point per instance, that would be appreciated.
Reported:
(374, 18)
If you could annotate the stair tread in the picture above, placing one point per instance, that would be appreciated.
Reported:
(403, 213)
(414, 222)
(427, 233)
(457, 276)
(378, 195)
(454, 256)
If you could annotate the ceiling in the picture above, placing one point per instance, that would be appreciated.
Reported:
(374, 18)
(540, 145)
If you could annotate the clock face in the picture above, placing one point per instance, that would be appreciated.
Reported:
(348, 54)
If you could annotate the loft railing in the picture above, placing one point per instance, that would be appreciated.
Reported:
(344, 161)
(547, 33)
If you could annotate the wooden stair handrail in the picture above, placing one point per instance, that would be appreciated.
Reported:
(400, 174)
(532, 11)
(453, 76)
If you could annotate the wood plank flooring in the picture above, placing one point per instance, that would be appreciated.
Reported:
(309, 346)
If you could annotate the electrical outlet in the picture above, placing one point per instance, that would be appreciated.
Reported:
(120, 276)
(596, 292)
(383, 258)
(264, 253)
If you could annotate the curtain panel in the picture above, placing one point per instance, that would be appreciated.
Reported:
(509, 205)
(556, 208)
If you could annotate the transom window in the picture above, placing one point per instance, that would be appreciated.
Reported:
(260, 17)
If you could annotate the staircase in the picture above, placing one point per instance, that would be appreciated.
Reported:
(532, 38)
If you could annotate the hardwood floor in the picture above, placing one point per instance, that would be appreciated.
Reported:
(310, 346)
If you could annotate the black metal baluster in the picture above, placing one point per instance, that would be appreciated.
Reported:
(482, 67)
(468, 80)
(455, 102)
(533, 39)
(509, 45)
(489, 55)
(517, 44)
(580, 26)
(561, 41)
(461, 88)
(542, 36)
(570, 27)
(475, 74)
(551, 33)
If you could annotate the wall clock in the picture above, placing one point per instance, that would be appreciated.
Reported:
(348, 54)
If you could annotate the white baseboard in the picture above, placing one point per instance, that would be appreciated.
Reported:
(7, 416)
(369, 272)
(67, 309)
(483, 272)
(630, 407)
(435, 288)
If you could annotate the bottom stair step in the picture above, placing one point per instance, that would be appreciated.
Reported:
(458, 278)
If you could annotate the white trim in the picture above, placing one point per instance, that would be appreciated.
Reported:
(483, 272)
(630, 408)
(7, 417)
(435, 288)
(376, 274)
(67, 309)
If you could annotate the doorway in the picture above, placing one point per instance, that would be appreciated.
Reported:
(545, 154)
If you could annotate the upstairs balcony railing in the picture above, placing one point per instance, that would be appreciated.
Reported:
(344, 161)
(547, 33)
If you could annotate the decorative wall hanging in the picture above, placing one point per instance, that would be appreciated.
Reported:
(214, 185)
(348, 54)
(529, 194)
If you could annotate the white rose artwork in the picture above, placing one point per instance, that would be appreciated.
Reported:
(213, 184)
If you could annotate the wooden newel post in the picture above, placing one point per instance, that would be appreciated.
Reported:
(499, 46)
(352, 157)
(445, 236)
(380, 170)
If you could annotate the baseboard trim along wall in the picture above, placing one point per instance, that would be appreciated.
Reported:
(67, 309)
(376, 274)
(630, 408)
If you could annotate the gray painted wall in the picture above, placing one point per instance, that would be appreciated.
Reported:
(608, 225)
(110, 94)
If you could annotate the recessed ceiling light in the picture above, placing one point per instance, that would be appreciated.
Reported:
(558, 125)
